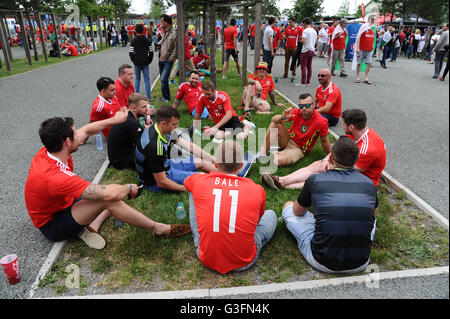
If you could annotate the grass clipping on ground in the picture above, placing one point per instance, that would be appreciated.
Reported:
(134, 260)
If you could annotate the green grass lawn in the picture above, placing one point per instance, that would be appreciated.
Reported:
(21, 65)
(136, 260)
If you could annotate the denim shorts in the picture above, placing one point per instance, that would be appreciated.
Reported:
(62, 226)
(180, 169)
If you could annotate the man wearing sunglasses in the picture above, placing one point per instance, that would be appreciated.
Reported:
(300, 138)
(328, 101)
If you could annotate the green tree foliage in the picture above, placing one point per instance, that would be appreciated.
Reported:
(307, 8)
(157, 8)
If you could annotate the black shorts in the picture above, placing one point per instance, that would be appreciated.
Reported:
(233, 125)
(233, 53)
(62, 226)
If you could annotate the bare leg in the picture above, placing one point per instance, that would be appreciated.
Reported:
(225, 68)
(298, 177)
(358, 71)
(366, 78)
(86, 211)
(98, 222)
(279, 132)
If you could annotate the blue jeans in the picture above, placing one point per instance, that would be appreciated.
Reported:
(263, 233)
(438, 61)
(180, 169)
(395, 54)
(410, 51)
(137, 79)
(164, 72)
(302, 228)
(386, 53)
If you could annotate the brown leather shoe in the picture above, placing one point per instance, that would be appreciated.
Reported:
(178, 230)
(271, 180)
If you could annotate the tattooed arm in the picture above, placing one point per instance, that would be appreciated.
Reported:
(109, 192)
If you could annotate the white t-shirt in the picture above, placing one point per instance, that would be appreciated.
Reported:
(268, 32)
(324, 37)
(310, 34)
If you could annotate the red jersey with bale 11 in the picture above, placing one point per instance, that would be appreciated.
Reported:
(216, 108)
(227, 218)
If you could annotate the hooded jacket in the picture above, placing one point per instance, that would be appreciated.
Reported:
(141, 51)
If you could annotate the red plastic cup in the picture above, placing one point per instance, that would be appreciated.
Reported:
(10, 265)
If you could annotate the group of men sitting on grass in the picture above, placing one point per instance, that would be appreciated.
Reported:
(229, 227)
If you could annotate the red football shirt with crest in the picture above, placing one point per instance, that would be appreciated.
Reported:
(103, 109)
(216, 108)
(305, 133)
(330, 94)
(190, 93)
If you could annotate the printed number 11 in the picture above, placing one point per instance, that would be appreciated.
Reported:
(234, 194)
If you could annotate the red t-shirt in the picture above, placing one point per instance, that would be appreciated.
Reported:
(372, 155)
(266, 83)
(130, 29)
(199, 61)
(72, 30)
(366, 41)
(292, 35)
(51, 187)
(229, 34)
(305, 133)
(123, 93)
(339, 42)
(278, 36)
(330, 94)
(191, 95)
(330, 32)
(103, 109)
(227, 218)
(217, 108)
(252, 30)
(51, 28)
(187, 53)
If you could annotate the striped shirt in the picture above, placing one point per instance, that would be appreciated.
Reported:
(343, 202)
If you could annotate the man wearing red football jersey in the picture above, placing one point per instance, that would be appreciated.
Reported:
(229, 227)
(338, 42)
(61, 204)
(230, 35)
(190, 92)
(222, 113)
(124, 84)
(291, 34)
(307, 126)
(364, 48)
(330, 34)
(372, 150)
(252, 38)
(328, 100)
(105, 104)
(371, 161)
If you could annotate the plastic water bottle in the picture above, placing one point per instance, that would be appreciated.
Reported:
(180, 212)
(99, 142)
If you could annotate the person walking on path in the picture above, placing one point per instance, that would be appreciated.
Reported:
(291, 35)
(386, 45)
(141, 53)
(230, 37)
(268, 43)
(338, 42)
(439, 49)
(167, 55)
(308, 40)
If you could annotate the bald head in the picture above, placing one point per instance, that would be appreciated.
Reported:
(324, 77)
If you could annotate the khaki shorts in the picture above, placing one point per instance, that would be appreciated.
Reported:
(292, 152)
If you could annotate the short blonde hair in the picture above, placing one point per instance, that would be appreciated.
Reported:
(134, 98)
(417, 31)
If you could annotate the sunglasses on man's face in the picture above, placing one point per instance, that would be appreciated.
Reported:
(321, 75)
(306, 106)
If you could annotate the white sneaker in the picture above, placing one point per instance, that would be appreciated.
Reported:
(298, 84)
(251, 125)
(92, 238)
